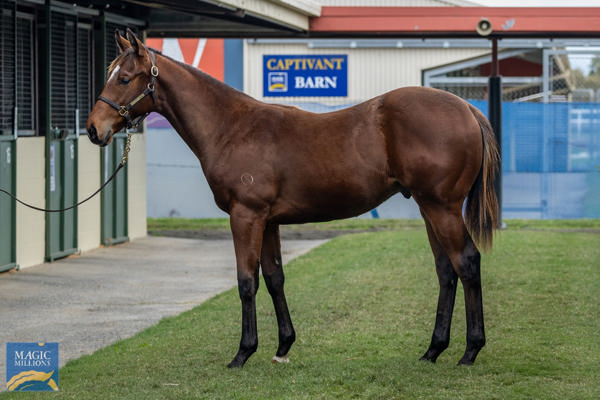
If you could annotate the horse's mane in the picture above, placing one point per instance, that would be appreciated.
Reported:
(205, 77)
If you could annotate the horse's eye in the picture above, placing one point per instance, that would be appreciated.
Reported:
(124, 81)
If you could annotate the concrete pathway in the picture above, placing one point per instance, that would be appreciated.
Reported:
(88, 302)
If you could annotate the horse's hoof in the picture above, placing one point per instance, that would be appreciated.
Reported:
(280, 360)
(236, 363)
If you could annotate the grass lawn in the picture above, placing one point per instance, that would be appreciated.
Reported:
(364, 306)
(156, 224)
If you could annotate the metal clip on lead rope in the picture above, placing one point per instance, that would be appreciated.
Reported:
(127, 147)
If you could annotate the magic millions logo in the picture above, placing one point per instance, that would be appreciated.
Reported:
(32, 367)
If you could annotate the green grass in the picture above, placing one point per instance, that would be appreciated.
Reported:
(363, 306)
(187, 223)
(581, 224)
(155, 224)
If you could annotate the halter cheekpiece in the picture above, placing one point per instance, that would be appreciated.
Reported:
(124, 110)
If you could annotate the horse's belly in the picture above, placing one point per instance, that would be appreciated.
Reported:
(332, 199)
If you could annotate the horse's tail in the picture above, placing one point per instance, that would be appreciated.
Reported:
(481, 215)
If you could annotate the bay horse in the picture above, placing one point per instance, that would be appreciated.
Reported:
(269, 165)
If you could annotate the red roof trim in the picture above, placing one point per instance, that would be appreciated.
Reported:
(461, 11)
(457, 21)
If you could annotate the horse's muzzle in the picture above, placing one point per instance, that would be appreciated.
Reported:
(93, 135)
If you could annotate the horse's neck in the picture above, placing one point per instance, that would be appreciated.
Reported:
(196, 105)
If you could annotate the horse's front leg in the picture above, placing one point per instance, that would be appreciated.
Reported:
(247, 229)
(272, 270)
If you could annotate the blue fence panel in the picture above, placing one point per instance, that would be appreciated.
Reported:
(550, 159)
(558, 136)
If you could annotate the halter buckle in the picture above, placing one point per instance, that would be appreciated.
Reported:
(154, 71)
(123, 112)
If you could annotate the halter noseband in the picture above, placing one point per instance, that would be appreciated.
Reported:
(124, 110)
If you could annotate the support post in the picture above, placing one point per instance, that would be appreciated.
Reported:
(495, 117)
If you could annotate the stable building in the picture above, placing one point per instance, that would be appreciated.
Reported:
(54, 58)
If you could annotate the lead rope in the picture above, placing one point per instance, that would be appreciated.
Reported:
(121, 165)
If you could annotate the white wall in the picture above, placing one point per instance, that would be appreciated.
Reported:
(371, 71)
(176, 184)
(136, 188)
(88, 217)
(31, 188)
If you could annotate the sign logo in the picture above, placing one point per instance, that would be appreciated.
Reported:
(278, 82)
(305, 75)
(32, 367)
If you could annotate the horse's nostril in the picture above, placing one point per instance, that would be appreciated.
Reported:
(94, 138)
(92, 133)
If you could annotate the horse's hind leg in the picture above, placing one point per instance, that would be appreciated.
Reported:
(274, 278)
(448, 281)
(448, 226)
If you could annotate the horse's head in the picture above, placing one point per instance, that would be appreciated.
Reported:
(128, 94)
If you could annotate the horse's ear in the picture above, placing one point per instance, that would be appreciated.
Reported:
(122, 43)
(136, 43)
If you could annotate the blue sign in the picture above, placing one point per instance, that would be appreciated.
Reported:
(305, 75)
(31, 367)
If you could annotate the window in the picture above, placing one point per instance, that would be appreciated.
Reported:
(17, 71)
(85, 99)
(63, 73)
(7, 67)
(26, 122)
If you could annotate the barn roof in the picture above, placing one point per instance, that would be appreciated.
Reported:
(214, 18)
